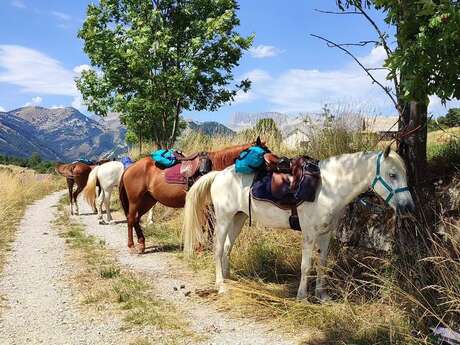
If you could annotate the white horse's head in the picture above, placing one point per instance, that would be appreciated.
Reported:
(390, 182)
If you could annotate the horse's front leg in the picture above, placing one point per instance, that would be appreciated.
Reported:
(323, 244)
(307, 249)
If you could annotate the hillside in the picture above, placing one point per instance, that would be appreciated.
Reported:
(58, 134)
(210, 128)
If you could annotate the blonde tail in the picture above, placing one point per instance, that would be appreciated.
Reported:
(198, 198)
(90, 189)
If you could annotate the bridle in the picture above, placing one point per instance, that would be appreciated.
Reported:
(378, 178)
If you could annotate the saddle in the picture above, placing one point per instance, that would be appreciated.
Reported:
(189, 168)
(287, 183)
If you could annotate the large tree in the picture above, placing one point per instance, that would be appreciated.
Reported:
(423, 60)
(154, 59)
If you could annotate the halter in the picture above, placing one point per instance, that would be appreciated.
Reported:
(379, 178)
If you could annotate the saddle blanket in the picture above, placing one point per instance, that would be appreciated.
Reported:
(284, 198)
(127, 162)
(173, 175)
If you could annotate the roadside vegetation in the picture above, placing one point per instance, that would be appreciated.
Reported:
(34, 162)
(106, 286)
(20, 187)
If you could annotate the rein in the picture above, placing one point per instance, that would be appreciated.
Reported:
(378, 178)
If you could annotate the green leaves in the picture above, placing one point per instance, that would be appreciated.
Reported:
(153, 62)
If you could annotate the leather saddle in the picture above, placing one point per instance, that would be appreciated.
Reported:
(287, 183)
(192, 167)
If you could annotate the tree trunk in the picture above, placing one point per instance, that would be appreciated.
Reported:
(413, 236)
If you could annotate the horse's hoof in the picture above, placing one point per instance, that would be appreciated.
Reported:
(132, 250)
(140, 249)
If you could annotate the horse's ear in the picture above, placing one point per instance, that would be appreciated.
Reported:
(387, 151)
(258, 141)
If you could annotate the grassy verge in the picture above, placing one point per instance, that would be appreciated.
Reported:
(105, 285)
(19, 187)
(265, 276)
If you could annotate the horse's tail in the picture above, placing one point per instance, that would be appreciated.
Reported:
(90, 189)
(196, 204)
(123, 196)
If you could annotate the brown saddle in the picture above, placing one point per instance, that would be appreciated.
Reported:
(288, 182)
(193, 166)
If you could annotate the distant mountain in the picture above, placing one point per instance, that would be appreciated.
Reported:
(59, 134)
(209, 128)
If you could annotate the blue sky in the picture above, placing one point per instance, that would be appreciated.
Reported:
(292, 72)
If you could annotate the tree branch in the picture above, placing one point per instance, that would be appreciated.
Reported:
(334, 12)
(367, 70)
(360, 44)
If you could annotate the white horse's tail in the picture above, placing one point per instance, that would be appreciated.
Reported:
(90, 189)
(198, 198)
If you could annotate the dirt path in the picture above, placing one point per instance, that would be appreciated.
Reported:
(37, 302)
(168, 274)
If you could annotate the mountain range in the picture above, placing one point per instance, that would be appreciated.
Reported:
(62, 134)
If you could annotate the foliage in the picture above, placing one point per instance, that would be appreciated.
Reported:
(34, 162)
(428, 45)
(154, 59)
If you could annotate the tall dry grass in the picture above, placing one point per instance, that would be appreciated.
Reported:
(19, 187)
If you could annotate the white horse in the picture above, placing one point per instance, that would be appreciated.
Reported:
(108, 176)
(343, 178)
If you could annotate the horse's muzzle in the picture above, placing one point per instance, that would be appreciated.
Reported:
(405, 208)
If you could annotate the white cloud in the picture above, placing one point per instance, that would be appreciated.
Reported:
(256, 75)
(244, 97)
(262, 51)
(18, 4)
(61, 16)
(35, 72)
(2, 109)
(35, 101)
(309, 89)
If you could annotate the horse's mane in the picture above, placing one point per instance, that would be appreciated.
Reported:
(226, 157)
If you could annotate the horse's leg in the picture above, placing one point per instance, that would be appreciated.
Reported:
(323, 243)
(147, 203)
(70, 183)
(223, 226)
(80, 187)
(99, 202)
(238, 223)
(107, 196)
(307, 249)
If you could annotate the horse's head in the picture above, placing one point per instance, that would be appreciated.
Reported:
(390, 182)
(261, 144)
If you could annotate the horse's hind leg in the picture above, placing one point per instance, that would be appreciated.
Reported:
(323, 243)
(108, 194)
(146, 204)
(75, 195)
(232, 235)
(70, 183)
(99, 202)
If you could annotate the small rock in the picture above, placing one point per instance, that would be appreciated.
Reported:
(182, 286)
(175, 288)
(187, 294)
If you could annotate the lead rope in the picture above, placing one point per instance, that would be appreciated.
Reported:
(249, 200)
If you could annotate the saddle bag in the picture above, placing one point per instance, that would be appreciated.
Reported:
(164, 158)
(250, 160)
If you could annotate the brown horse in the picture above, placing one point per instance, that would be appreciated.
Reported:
(144, 184)
(76, 173)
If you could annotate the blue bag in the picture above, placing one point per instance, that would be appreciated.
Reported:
(127, 162)
(250, 160)
(164, 158)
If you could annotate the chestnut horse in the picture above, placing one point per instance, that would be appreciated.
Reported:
(144, 184)
(76, 173)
